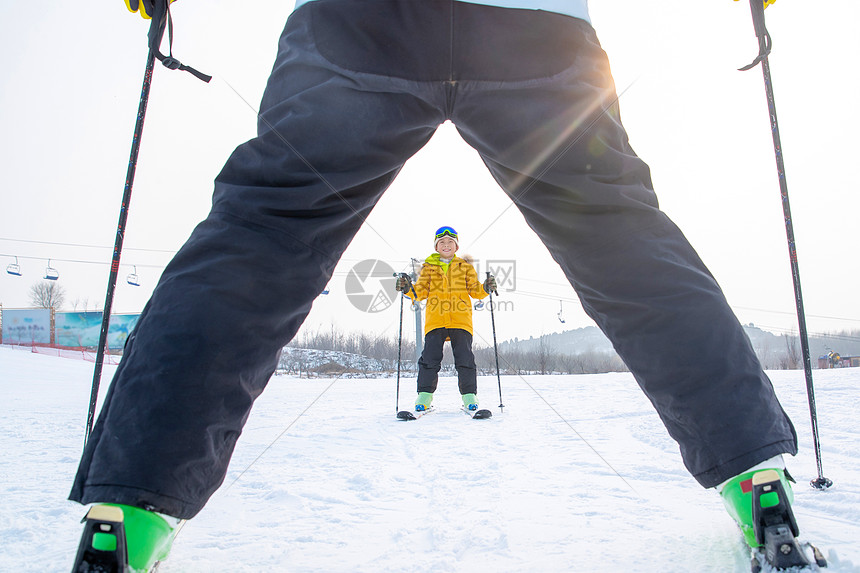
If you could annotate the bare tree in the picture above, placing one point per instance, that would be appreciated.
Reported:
(543, 357)
(84, 303)
(764, 350)
(47, 294)
(792, 360)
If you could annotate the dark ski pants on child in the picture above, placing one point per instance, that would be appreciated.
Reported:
(430, 361)
(357, 88)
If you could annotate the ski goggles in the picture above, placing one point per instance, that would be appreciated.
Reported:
(446, 232)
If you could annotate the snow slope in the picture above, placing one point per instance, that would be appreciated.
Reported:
(577, 474)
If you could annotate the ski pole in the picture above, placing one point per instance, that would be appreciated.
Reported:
(496, 347)
(160, 18)
(765, 44)
(120, 232)
(399, 347)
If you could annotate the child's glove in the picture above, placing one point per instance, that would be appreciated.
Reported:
(404, 283)
(490, 285)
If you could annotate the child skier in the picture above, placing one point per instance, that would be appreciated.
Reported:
(448, 283)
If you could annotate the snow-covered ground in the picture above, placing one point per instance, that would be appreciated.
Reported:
(577, 474)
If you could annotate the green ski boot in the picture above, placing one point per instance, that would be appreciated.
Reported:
(737, 496)
(760, 502)
(422, 403)
(122, 539)
(470, 402)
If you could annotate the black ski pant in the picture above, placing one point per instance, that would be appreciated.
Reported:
(357, 88)
(430, 361)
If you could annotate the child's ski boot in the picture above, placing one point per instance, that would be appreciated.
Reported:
(470, 402)
(422, 403)
(760, 503)
(123, 539)
(470, 406)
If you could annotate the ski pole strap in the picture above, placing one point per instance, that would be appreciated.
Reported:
(160, 18)
(764, 42)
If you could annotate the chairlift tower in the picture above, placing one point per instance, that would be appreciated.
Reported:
(416, 308)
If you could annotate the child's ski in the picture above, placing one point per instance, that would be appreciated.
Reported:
(407, 415)
(478, 414)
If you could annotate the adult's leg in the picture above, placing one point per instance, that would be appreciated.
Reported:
(286, 205)
(556, 144)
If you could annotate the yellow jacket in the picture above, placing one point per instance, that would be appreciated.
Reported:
(447, 291)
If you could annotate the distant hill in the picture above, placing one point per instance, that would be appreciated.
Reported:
(577, 341)
(576, 351)
(772, 349)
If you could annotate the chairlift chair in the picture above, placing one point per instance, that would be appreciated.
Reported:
(51, 274)
(561, 312)
(132, 278)
(14, 268)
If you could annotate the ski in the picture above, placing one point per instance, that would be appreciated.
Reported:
(407, 415)
(762, 558)
(478, 414)
(776, 530)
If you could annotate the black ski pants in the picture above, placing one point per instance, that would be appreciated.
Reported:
(357, 88)
(430, 361)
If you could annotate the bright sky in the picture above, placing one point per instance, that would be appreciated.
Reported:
(70, 89)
